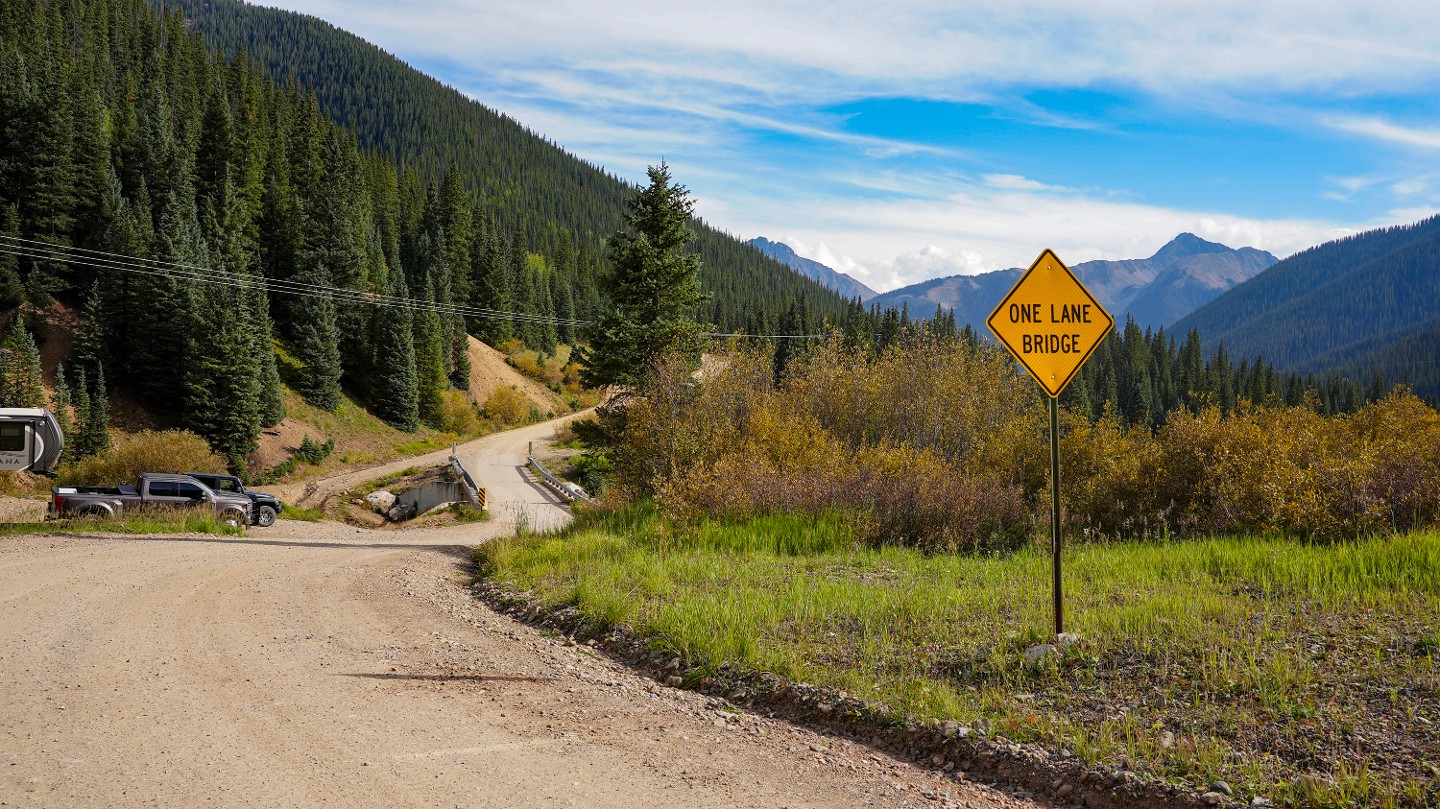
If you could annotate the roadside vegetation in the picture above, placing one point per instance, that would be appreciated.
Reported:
(178, 521)
(1256, 592)
(1303, 673)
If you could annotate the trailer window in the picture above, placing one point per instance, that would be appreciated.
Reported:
(12, 438)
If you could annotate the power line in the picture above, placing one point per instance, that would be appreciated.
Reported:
(100, 259)
(186, 272)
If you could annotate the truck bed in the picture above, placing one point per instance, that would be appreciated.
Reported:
(118, 491)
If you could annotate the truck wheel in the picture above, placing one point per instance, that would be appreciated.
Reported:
(95, 511)
(234, 517)
(264, 516)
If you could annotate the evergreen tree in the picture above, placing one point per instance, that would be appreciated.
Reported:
(95, 431)
(457, 233)
(47, 192)
(653, 287)
(396, 399)
(317, 346)
(522, 279)
(60, 406)
(75, 447)
(89, 350)
(459, 353)
(545, 308)
(495, 291)
(26, 384)
(222, 384)
(12, 291)
(564, 298)
(432, 349)
(157, 310)
(272, 399)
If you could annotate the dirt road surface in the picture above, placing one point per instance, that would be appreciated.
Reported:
(320, 665)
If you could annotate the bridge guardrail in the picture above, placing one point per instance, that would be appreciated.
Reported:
(473, 493)
(567, 491)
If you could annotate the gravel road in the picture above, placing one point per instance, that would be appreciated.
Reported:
(312, 665)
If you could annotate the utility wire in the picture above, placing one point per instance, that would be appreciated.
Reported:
(185, 272)
(99, 259)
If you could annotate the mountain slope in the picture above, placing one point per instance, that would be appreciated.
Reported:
(829, 278)
(972, 297)
(1181, 276)
(1412, 359)
(527, 183)
(1156, 291)
(1333, 305)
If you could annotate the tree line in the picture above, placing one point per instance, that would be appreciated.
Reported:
(200, 188)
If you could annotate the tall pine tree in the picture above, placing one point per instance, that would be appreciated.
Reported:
(653, 288)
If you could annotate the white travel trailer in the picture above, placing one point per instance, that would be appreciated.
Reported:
(30, 440)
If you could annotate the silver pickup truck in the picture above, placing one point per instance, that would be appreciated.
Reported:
(153, 490)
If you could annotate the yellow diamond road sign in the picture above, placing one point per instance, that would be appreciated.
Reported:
(1050, 322)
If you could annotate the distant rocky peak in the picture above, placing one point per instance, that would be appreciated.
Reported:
(1187, 244)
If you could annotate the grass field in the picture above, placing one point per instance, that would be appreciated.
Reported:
(1303, 673)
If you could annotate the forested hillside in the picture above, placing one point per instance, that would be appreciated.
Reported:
(1364, 304)
(556, 204)
(196, 211)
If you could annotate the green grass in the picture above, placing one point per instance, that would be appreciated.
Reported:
(303, 514)
(465, 514)
(1250, 660)
(428, 444)
(190, 522)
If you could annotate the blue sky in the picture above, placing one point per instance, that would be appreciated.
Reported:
(908, 140)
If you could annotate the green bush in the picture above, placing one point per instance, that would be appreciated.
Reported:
(149, 451)
(507, 407)
(458, 416)
(312, 451)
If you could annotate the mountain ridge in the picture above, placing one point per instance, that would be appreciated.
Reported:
(1182, 275)
(1349, 306)
(843, 283)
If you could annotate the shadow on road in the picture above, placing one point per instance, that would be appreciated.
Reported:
(476, 678)
(448, 549)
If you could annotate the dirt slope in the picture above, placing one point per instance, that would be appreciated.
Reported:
(489, 372)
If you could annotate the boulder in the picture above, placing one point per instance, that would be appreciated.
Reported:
(380, 501)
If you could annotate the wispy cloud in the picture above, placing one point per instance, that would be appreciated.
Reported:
(1014, 182)
(1387, 131)
(934, 48)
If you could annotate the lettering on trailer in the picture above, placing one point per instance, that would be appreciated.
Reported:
(1050, 322)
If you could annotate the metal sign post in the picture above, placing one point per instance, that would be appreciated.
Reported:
(1055, 534)
(1052, 324)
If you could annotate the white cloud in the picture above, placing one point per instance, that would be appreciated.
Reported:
(927, 48)
(1013, 182)
(1386, 131)
(981, 230)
